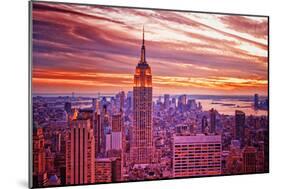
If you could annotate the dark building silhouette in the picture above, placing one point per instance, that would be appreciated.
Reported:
(213, 120)
(204, 124)
(240, 126)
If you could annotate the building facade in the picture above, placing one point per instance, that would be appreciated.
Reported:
(80, 153)
(196, 155)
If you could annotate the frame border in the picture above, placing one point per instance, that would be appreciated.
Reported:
(30, 67)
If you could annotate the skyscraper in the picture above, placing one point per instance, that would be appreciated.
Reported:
(196, 155)
(97, 132)
(213, 120)
(256, 101)
(39, 161)
(182, 100)
(166, 100)
(249, 159)
(80, 153)
(239, 126)
(141, 149)
(117, 124)
(204, 124)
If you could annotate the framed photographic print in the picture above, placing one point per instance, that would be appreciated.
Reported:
(121, 94)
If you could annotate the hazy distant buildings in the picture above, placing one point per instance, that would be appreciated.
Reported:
(191, 104)
(197, 155)
(141, 146)
(80, 153)
(256, 101)
(67, 107)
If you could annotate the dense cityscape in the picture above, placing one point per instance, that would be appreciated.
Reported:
(136, 135)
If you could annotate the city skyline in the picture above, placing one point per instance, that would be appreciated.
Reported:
(131, 135)
(188, 53)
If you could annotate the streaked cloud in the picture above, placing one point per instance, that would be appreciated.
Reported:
(96, 49)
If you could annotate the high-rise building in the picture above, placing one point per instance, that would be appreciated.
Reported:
(249, 159)
(191, 104)
(39, 160)
(80, 153)
(98, 131)
(121, 100)
(204, 124)
(129, 100)
(166, 100)
(95, 104)
(103, 170)
(58, 140)
(239, 126)
(117, 125)
(213, 113)
(196, 155)
(141, 148)
(256, 100)
(182, 101)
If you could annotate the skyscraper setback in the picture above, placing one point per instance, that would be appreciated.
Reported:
(141, 151)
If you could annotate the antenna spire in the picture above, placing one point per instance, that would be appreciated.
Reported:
(143, 35)
(142, 60)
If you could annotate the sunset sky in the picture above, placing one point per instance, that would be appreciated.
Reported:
(90, 49)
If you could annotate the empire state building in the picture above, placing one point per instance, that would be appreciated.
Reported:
(141, 146)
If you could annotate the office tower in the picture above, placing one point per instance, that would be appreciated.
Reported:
(117, 125)
(166, 100)
(97, 131)
(95, 104)
(58, 139)
(239, 126)
(249, 159)
(80, 153)
(141, 147)
(121, 100)
(173, 103)
(105, 130)
(197, 155)
(204, 124)
(129, 100)
(191, 104)
(213, 113)
(256, 100)
(103, 170)
(182, 100)
(39, 162)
